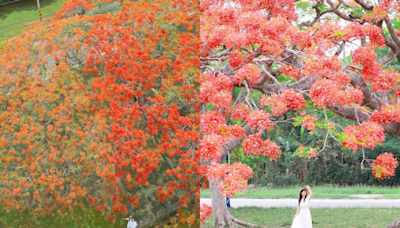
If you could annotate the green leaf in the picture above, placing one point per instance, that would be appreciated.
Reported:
(291, 139)
(302, 133)
(291, 131)
(323, 7)
(396, 24)
(337, 34)
(348, 59)
(358, 12)
(303, 5)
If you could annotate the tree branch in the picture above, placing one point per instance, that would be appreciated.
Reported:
(340, 49)
(385, 97)
(233, 143)
(392, 32)
(387, 58)
(349, 113)
(267, 73)
(301, 85)
(370, 99)
(364, 5)
(340, 14)
(388, 41)
(316, 19)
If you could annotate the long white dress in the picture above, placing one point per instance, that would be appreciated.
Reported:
(131, 224)
(303, 219)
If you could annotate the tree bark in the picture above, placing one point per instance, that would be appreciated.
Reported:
(221, 214)
(222, 217)
(396, 224)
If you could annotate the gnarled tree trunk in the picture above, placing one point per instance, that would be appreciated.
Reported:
(396, 224)
(222, 217)
(221, 214)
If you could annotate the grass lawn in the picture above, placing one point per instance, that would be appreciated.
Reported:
(23, 10)
(322, 217)
(320, 192)
(78, 218)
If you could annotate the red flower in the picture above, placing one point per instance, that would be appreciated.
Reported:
(384, 166)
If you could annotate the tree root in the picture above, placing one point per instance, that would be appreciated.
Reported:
(396, 224)
(233, 222)
(222, 217)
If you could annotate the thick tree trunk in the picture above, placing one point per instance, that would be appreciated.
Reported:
(276, 168)
(396, 224)
(222, 217)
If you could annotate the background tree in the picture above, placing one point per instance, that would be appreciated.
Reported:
(100, 109)
(287, 64)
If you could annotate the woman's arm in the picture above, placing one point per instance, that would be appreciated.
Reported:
(297, 212)
(309, 190)
(125, 218)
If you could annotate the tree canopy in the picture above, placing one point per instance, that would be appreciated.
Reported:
(269, 63)
(100, 108)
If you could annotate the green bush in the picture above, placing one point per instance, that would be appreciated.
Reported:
(334, 166)
(279, 180)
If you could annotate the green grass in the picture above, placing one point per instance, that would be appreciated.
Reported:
(322, 217)
(320, 192)
(80, 217)
(23, 10)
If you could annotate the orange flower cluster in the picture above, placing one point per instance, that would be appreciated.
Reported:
(91, 104)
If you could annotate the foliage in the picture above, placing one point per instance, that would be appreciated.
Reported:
(336, 165)
(205, 212)
(283, 180)
(384, 166)
(100, 109)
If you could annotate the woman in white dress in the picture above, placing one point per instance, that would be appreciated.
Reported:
(131, 222)
(303, 219)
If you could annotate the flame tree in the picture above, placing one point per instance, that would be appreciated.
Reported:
(267, 62)
(101, 109)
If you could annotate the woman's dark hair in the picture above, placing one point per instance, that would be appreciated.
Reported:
(300, 195)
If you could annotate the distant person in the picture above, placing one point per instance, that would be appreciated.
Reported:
(228, 202)
(131, 222)
(228, 199)
(303, 219)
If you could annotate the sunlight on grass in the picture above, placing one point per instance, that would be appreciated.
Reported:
(322, 192)
(24, 10)
(322, 217)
